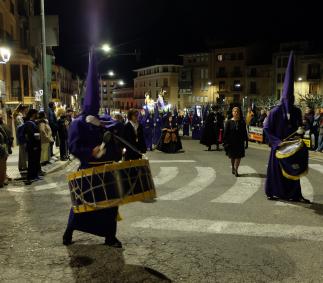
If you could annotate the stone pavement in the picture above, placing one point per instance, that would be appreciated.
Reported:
(12, 163)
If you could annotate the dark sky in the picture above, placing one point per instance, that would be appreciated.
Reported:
(162, 29)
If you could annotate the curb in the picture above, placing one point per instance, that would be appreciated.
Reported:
(312, 155)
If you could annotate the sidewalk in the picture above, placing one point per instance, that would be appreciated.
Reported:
(12, 164)
(312, 154)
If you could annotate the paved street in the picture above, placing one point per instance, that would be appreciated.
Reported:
(206, 226)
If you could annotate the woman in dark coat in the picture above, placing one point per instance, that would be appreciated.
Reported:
(235, 139)
(170, 141)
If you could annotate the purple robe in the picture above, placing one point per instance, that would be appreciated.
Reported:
(277, 128)
(148, 126)
(83, 137)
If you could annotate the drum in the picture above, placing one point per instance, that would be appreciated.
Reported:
(293, 159)
(111, 185)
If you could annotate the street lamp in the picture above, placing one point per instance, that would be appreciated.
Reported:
(300, 79)
(209, 83)
(111, 74)
(5, 55)
(106, 48)
(121, 83)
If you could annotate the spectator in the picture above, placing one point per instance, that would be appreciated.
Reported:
(62, 126)
(46, 137)
(5, 149)
(133, 133)
(19, 118)
(52, 123)
(320, 137)
(262, 118)
(249, 116)
(32, 136)
(316, 126)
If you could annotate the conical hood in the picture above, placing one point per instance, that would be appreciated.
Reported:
(288, 98)
(91, 103)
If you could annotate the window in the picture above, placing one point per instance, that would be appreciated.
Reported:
(222, 85)
(221, 72)
(25, 77)
(283, 78)
(12, 8)
(314, 71)
(220, 57)
(313, 88)
(253, 88)
(206, 73)
(15, 82)
(157, 83)
(165, 83)
(237, 71)
(285, 62)
(202, 73)
(278, 94)
(253, 72)
(279, 78)
(165, 70)
(279, 62)
(233, 56)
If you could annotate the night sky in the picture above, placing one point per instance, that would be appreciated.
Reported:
(163, 29)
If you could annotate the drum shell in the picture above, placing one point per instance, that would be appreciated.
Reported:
(111, 185)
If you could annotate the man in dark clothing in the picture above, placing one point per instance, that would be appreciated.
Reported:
(133, 133)
(52, 120)
(32, 137)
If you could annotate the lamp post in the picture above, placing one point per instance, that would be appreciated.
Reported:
(5, 55)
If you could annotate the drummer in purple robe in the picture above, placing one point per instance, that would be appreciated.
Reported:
(148, 126)
(283, 120)
(85, 139)
(157, 127)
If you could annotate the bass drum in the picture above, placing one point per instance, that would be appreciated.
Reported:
(293, 159)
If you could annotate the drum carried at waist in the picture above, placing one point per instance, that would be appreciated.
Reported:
(111, 185)
(293, 159)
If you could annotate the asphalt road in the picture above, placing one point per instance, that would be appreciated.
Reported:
(206, 226)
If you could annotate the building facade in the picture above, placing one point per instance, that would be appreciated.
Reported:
(194, 79)
(16, 75)
(107, 86)
(155, 78)
(123, 99)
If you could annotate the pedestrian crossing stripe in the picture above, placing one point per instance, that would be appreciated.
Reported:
(248, 229)
(171, 161)
(243, 189)
(205, 177)
(317, 167)
(165, 175)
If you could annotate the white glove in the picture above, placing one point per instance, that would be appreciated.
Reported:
(300, 131)
(102, 151)
(93, 120)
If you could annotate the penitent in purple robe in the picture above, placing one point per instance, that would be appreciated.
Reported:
(277, 128)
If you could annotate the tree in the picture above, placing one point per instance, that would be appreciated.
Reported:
(311, 100)
(266, 102)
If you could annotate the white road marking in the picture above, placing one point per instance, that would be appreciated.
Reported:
(62, 193)
(307, 192)
(205, 177)
(317, 167)
(243, 189)
(165, 175)
(48, 186)
(17, 189)
(172, 161)
(249, 229)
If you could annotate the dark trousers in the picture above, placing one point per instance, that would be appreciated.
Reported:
(33, 161)
(63, 148)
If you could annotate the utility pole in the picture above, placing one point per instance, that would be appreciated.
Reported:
(43, 44)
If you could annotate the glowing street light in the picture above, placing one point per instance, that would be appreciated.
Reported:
(5, 55)
(209, 83)
(106, 48)
(121, 83)
(111, 74)
(300, 79)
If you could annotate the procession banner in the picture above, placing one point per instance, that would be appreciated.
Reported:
(255, 134)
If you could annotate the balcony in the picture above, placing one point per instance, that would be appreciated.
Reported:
(221, 75)
(313, 76)
(236, 74)
(237, 88)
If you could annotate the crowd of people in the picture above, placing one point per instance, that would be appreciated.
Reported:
(36, 135)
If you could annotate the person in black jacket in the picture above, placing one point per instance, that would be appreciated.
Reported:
(134, 135)
(62, 125)
(52, 119)
(235, 139)
(32, 136)
(213, 125)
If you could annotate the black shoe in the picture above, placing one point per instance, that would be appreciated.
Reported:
(209, 148)
(233, 171)
(236, 173)
(114, 243)
(67, 241)
(67, 237)
(272, 198)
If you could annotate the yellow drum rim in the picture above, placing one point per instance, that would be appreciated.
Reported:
(281, 155)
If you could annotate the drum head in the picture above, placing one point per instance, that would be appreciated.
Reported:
(288, 148)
